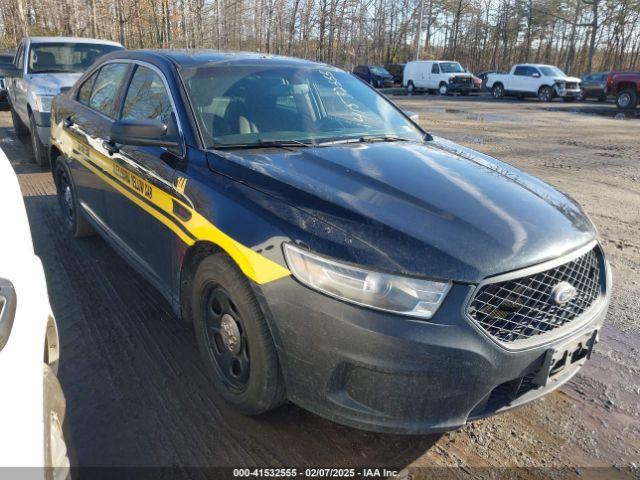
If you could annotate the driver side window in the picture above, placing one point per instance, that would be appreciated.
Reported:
(435, 68)
(147, 98)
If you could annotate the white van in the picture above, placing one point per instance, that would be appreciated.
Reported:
(440, 75)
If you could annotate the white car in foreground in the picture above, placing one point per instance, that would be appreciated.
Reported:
(32, 405)
(533, 80)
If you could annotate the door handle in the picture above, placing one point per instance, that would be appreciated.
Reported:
(67, 122)
(110, 147)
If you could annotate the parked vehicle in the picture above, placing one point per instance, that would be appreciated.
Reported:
(327, 250)
(396, 70)
(32, 405)
(442, 76)
(594, 85)
(6, 59)
(477, 83)
(532, 80)
(625, 86)
(374, 75)
(43, 67)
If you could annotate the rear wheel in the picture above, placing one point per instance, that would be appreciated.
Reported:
(545, 94)
(74, 218)
(498, 91)
(627, 99)
(39, 150)
(19, 127)
(234, 339)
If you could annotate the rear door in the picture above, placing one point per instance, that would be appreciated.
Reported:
(140, 217)
(517, 83)
(85, 131)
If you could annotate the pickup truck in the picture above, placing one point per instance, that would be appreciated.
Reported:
(42, 68)
(532, 80)
(626, 88)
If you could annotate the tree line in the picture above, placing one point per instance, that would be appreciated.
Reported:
(579, 36)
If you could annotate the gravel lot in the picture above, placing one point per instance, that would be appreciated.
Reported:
(138, 396)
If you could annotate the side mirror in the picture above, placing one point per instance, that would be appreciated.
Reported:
(145, 133)
(536, 75)
(414, 117)
(9, 71)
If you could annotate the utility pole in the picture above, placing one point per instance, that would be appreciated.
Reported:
(418, 35)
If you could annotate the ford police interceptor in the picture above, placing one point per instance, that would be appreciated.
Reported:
(327, 250)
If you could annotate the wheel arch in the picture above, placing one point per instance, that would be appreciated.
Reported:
(54, 153)
(626, 85)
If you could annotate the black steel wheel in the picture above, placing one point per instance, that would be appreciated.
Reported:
(226, 338)
(233, 337)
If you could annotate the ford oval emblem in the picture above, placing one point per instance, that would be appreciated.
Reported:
(563, 293)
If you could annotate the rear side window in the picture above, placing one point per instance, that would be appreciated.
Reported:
(522, 71)
(106, 86)
(532, 71)
(84, 94)
(147, 98)
(435, 68)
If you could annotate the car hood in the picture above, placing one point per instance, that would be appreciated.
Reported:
(435, 209)
(52, 83)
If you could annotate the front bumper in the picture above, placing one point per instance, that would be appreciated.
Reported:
(386, 373)
(459, 87)
(43, 125)
(575, 93)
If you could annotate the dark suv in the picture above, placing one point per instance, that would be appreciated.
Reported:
(374, 75)
(328, 250)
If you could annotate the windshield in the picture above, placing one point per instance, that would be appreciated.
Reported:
(451, 67)
(240, 105)
(379, 71)
(552, 72)
(65, 57)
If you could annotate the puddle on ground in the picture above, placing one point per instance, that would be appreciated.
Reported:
(476, 117)
(607, 112)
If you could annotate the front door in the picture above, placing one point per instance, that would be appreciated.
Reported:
(140, 218)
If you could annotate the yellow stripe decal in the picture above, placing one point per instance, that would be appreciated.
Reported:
(257, 267)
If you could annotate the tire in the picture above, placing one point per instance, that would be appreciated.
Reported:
(39, 150)
(411, 88)
(74, 217)
(443, 89)
(56, 435)
(498, 91)
(18, 126)
(234, 338)
(627, 99)
(545, 94)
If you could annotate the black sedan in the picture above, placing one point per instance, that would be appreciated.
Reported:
(327, 250)
(374, 75)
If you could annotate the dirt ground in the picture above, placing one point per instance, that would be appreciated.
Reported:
(138, 395)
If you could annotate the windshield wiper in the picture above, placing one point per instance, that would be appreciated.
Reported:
(266, 143)
(367, 139)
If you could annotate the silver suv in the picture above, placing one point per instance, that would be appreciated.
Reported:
(42, 68)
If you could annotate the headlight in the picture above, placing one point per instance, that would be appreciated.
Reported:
(391, 293)
(7, 310)
(43, 103)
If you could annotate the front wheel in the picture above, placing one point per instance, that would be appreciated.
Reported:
(627, 99)
(443, 89)
(39, 150)
(18, 126)
(545, 94)
(498, 91)
(234, 338)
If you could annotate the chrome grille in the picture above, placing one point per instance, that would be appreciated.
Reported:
(524, 307)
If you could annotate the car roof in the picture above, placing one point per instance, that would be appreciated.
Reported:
(188, 58)
(35, 40)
